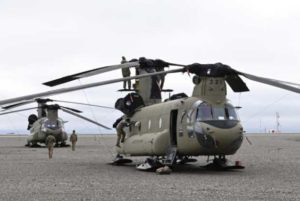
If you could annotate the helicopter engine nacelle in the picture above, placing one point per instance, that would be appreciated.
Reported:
(31, 119)
(129, 103)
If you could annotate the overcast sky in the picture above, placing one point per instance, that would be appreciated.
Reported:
(43, 40)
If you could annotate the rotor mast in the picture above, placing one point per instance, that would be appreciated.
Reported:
(210, 81)
(210, 89)
(52, 111)
(41, 108)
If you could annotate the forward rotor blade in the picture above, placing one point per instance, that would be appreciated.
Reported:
(84, 104)
(173, 64)
(16, 105)
(21, 110)
(104, 69)
(85, 86)
(90, 73)
(85, 118)
(72, 109)
(272, 82)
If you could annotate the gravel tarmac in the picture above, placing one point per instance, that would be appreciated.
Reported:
(272, 173)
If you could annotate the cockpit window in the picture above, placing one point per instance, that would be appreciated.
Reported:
(218, 113)
(230, 112)
(51, 124)
(204, 112)
(207, 112)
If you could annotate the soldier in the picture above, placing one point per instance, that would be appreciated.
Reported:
(73, 140)
(50, 140)
(120, 124)
(125, 73)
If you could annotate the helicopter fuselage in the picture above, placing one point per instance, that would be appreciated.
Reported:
(44, 127)
(193, 126)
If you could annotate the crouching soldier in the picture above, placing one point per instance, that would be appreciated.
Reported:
(73, 140)
(50, 141)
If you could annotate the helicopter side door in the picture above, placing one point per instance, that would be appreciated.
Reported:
(173, 128)
(172, 150)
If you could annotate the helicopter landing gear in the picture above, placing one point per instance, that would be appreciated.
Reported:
(221, 163)
(27, 144)
(64, 144)
(185, 159)
(33, 145)
(150, 164)
(119, 160)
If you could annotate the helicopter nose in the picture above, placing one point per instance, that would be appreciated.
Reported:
(226, 140)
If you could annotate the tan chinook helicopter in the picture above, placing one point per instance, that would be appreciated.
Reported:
(47, 122)
(204, 124)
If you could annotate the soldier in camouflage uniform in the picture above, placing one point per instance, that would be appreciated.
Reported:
(50, 141)
(120, 124)
(126, 73)
(73, 140)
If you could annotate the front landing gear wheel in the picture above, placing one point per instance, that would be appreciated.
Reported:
(221, 163)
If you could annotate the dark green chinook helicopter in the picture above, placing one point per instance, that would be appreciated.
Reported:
(173, 131)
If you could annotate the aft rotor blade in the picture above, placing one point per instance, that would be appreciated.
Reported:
(290, 83)
(84, 104)
(85, 118)
(21, 110)
(90, 73)
(85, 86)
(272, 82)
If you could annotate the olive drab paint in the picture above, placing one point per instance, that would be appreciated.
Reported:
(149, 133)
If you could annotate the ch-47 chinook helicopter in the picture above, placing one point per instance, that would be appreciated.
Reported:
(204, 124)
(47, 122)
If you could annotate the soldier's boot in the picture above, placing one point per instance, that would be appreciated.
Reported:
(123, 138)
(50, 152)
(73, 146)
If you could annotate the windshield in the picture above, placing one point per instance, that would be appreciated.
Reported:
(207, 112)
(52, 124)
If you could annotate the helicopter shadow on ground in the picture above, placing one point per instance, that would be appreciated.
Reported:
(43, 146)
(200, 169)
